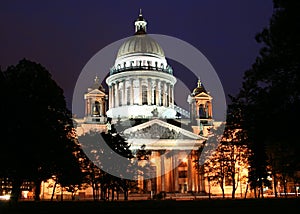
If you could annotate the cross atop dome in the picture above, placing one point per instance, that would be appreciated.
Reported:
(140, 18)
(199, 83)
(97, 84)
(140, 24)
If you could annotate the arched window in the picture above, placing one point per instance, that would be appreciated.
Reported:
(96, 109)
(201, 111)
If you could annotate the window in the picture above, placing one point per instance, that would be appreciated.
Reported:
(182, 174)
(96, 108)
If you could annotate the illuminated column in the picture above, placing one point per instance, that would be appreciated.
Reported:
(175, 178)
(86, 107)
(172, 173)
(156, 93)
(166, 92)
(201, 181)
(190, 184)
(110, 95)
(193, 173)
(123, 94)
(163, 93)
(140, 92)
(131, 92)
(172, 95)
(162, 164)
(197, 110)
(169, 94)
(210, 109)
(149, 92)
(89, 112)
(117, 94)
(100, 106)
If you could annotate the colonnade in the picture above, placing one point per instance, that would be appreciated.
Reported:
(174, 173)
(141, 91)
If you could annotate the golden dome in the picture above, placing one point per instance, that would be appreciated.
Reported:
(200, 88)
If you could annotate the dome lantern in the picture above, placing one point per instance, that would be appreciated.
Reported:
(140, 24)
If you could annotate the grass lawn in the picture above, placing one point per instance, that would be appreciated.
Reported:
(266, 205)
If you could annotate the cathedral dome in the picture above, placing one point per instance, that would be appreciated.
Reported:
(200, 88)
(142, 44)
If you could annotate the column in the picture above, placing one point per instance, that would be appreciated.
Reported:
(90, 110)
(124, 90)
(109, 98)
(112, 99)
(149, 92)
(163, 92)
(169, 94)
(190, 184)
(176, 186)
(156, 93)
(140, 92)
(162, 164)
(86, 107)
(117, 94)
(131, 92)
(210, 109)
(103, 107)
(172, 173)
(172, 94)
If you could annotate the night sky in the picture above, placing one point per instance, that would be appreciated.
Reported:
(64, 35)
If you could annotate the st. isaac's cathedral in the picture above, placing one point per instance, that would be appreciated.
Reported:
(139, 97)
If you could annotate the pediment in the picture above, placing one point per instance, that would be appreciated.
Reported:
(96, 92)
(203, 94)
(159, 129)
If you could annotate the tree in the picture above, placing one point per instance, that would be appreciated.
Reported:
(38, 132)
(103, 149)
(270, 97)
(226, 164)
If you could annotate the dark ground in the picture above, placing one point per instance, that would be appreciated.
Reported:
(266, 205)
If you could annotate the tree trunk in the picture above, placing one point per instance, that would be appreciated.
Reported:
(126, 195)
(94, 193)
(275, 185)
(209, 188)
(233, 189)
(246, 191)
(53, 191)
(262, 191)
(61, 194)
(113, 194)
(37, 190)
(16, 189)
